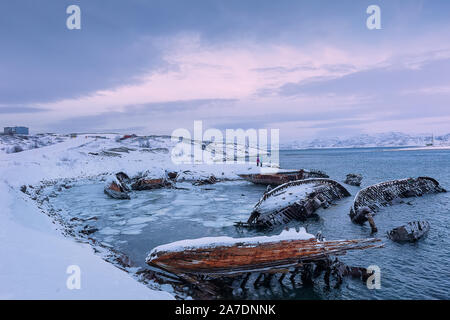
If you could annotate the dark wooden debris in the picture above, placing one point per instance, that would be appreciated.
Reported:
(150, 184)
(410, 232)
(116, 191)
(211, 180)
(353, 179)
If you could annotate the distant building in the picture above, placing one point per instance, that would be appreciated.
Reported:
(16, 130)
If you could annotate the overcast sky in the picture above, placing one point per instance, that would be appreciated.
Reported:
(308, 68)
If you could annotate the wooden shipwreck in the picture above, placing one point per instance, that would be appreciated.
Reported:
(117, 187)
(281, 177)
(369, 200)
(296, 200)
(410, 232)
(151, 184)
(218, 259)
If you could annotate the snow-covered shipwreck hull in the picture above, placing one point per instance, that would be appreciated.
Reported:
(225, 256)
(296, 200)
(214, 266)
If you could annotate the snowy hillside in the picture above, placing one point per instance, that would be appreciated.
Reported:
(19, 143)
(391, 139)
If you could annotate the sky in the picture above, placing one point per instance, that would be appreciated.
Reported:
(311, 69)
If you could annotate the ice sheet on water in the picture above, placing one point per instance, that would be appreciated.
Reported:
(216, 223)
(140, 220)
(133, 230)
(109, 231)
(221, 199)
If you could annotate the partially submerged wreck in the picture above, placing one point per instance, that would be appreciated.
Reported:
(410, 232)
(117, 187)
(279, 178)
(369, 200)
(295, 200)
(224, 257)
(150, 184)
(353, 179)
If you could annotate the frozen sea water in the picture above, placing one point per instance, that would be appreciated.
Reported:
(408, 271)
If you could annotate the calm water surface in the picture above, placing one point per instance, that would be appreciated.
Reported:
(408, 271)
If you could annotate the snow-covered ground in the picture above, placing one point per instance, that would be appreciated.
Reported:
(34, 253)
(19, 143)
(35, 257)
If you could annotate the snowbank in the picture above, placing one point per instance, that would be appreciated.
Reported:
(19, 143)
(35, 257)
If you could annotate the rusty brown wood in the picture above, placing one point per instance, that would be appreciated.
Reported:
(113, 186)
(241, 258)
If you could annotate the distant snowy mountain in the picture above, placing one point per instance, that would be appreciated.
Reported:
(390, 139)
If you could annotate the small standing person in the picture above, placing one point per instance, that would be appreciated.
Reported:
(257, 161)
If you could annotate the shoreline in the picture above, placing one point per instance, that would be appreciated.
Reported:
(37, 248)
(109, 254)
(37, 252)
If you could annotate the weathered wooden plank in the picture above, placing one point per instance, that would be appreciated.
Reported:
(243, 257)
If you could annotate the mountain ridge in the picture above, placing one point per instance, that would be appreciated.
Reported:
(389, 139)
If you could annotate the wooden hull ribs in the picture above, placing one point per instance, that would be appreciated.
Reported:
(296, 200)
(369, 200)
